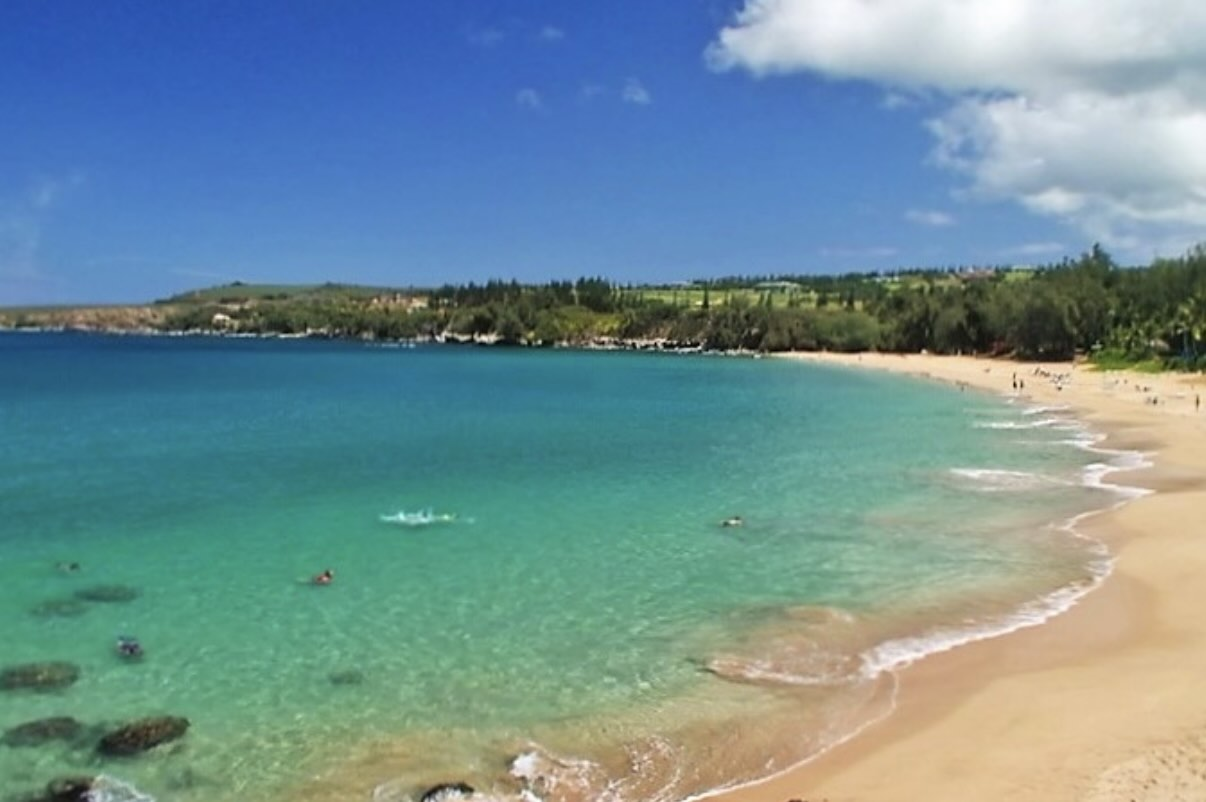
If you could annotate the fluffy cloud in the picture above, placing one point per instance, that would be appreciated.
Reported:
(635, 92)
(1089, 112)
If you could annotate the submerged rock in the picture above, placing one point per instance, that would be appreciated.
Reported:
(447, 792)
(108, 593)
(68, 789)
(59, 608)
(39, 676)
(347, 677)
(141, 735)
(36, 733)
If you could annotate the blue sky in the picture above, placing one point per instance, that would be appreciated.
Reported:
(151, 147)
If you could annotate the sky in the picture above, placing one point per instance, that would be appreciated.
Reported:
(148, 148)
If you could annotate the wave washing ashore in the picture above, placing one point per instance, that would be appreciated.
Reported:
(596, 634)
(1099, 705)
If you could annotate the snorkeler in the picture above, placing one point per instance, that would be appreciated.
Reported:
(324, 578)
(734, 520)
(129, 647)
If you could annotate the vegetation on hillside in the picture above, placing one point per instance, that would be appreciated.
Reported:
(1154, 315)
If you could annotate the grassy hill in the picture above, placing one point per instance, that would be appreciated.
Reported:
(240, 292)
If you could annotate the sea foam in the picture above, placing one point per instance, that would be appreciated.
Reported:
(901, 652)
(111, 789)
(421, 518)
(1002, 480)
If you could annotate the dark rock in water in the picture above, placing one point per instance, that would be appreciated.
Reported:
(59, 608)
(447, 792)
(67, 789)
(36, 733)
(108, 593)
(141, 735)
(348, 677)
(39, 676)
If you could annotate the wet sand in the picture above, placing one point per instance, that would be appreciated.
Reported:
(1102, 704)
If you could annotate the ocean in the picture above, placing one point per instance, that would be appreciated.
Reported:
(533, 592)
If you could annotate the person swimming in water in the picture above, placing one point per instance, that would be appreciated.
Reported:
(129, 647)
(324, 578)
(734, 520)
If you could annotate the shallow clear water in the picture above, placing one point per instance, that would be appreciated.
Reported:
(584, 594)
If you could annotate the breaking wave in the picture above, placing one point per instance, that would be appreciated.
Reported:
(110, 789)
(425, 517)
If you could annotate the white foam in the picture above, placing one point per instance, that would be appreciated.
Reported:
(1001, 480)
(1041, 423)
(898, 653)
(1040, 409)
(110, 789)
(425, 517)
(892, 655)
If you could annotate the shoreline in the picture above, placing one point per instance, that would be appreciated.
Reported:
(600, 343)
(1091, 704)
(797, 782)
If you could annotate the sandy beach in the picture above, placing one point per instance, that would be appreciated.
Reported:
(1102, 704)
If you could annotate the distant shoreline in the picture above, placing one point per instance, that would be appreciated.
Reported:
(660, 345)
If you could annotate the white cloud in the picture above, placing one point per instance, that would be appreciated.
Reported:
(529, 98)
(1087, 112)
(929, 217)
(550, 33)
(898, 100)
(635, 92)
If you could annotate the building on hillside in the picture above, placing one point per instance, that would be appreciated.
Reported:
(777, 286)
(398, 300)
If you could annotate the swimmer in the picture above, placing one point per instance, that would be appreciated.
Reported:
(68, 568)
(734, 520)
(324, 578)
(129, 647)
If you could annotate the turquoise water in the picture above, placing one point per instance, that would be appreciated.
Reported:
(583, 600)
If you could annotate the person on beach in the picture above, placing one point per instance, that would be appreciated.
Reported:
(324, 578)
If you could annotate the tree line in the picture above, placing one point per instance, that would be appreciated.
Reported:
(1089, 305)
